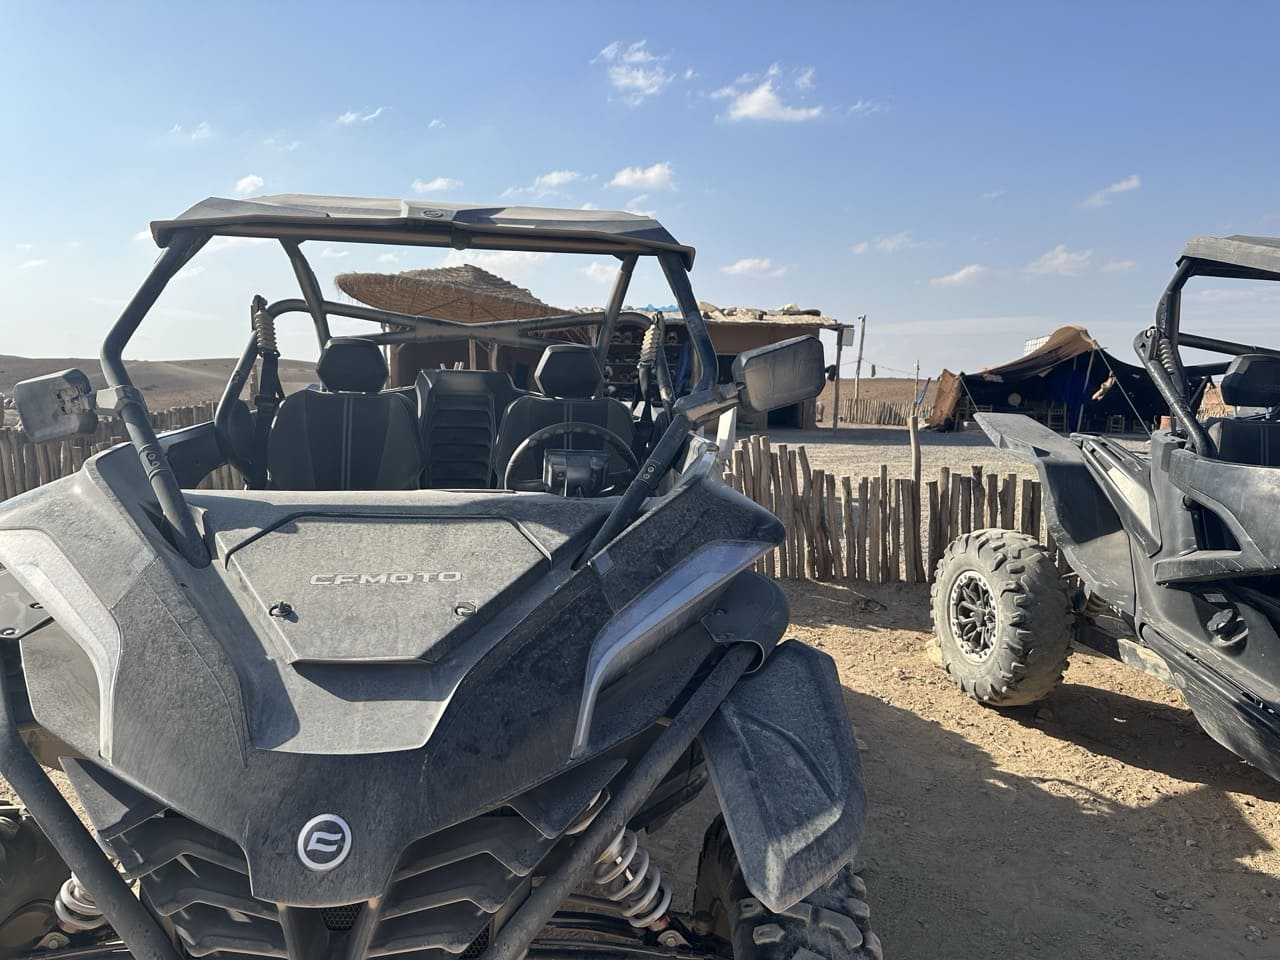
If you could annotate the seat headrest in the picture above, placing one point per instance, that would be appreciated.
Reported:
(569, 371)
(1252, 380)
(352, 365)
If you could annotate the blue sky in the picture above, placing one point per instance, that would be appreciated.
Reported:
(969, 175)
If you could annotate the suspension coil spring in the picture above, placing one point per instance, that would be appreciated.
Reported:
(626, 876)
(649, 346)
(76, 909)
(264, 327)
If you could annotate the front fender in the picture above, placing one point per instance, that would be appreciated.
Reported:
(786, 770)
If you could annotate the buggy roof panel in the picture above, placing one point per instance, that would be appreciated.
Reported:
(423, 223)
(1238, 256)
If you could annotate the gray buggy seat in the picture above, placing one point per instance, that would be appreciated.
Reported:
(348, 436)
(1252, 380)
(569, 378)
(461, 412)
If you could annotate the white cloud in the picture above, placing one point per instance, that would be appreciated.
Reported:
(588, 206)
(506, 263)
(74, 244)
(556, 178)
(24, 246)
(994, 194)
(249, 183)
(145, 234)
(657, 177)
(889, 244)
(634, 71)
(599, 272)
(201, 131)
(355, 116)
(868, 106)
(1100, 198)
(636, 205)
(331, 252)
(284, 146)
(964, 277)
(1060, 262)
(436, 124)
(33, 264)
(754, 267)
(388, 258)
(1241, 293)
(805, 80)
(763, 103)
(435, 185)
(1119, 266)
(547, 183)
(187, 273)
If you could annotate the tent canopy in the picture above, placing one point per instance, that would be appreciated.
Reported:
(1057, 384)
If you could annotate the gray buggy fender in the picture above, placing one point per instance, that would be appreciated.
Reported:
(788, 776)
(1084, 522)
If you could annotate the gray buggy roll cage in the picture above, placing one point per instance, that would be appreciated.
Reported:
(292, 220)
(1234, 258)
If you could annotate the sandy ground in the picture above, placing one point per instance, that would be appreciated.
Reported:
(1100, 824)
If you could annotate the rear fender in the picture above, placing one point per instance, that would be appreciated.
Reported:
(788, 776)
(1078, 511)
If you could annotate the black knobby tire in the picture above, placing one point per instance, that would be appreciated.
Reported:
(832, 923)
(1001, 617)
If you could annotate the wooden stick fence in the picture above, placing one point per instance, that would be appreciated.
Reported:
(25, 465)
(877, 528)
(880, 412)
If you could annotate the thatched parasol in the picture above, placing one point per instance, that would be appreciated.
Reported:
(464, 293)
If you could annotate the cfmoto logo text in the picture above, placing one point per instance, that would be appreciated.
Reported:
(361, 579)
(324, 842)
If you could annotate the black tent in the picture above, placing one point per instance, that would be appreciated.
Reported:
(1069, 383)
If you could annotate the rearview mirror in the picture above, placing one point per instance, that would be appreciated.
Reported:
(56, 406)
(780, 374)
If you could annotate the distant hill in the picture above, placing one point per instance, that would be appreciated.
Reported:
(164, 383)
(891, 389)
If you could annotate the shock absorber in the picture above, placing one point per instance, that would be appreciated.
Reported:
(76, 909)
(628, 877)
(264, 327)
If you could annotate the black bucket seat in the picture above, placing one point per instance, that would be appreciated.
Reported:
(569, 379)
(350, 435)
(1252, 380)
(461, 413)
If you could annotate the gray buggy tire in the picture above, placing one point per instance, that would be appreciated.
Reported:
(832, 923)
(1002, 618)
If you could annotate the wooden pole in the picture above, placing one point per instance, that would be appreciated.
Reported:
(857, 369)
(835, 402)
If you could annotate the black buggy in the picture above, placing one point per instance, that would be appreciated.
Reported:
(352, 711)
(1180, 546)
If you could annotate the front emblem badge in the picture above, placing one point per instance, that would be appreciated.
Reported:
(324, 842)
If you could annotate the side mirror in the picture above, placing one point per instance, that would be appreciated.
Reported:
(780, 374)
(56, 406)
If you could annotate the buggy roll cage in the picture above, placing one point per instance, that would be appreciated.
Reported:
(1234, 258)
(181, 242)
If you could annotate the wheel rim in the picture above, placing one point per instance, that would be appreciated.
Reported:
(973, 616)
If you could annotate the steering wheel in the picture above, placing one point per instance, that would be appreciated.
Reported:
(611, 439)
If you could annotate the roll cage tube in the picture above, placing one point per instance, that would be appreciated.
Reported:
(184, 244)
(1158, 349)
(133, 411)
